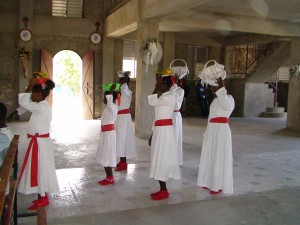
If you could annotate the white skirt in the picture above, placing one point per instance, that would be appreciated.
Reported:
(164, 155)
(106, 152)
(177, 121)
(47, 179)
(125, 136)
(215, 168)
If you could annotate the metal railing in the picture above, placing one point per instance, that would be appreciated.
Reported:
(246, 57)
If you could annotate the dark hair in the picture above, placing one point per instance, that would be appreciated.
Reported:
(123, 78)
(168, 81)
(44, 88)
(114, 94)
(3, 113)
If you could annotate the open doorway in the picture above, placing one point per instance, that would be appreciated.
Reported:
(67, 94)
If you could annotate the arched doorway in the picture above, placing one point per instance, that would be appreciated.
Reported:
(67, 95)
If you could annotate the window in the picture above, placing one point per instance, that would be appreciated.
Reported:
(130, 65)
(129, 61)
(67, 8)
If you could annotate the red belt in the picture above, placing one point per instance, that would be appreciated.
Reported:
(177, 110)
(219, 120)
(124, 111)
(165, 122)
(33, 145)
(107, 127)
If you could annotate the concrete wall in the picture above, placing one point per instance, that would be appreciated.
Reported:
(257, 98)
(236, 88)
(53, 33)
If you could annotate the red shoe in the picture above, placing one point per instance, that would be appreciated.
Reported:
(154, 193)
(118, 164)
(160, 195)
(107, 181)
(45, 197)
(215, 192)
(122, 166)
(41, 202)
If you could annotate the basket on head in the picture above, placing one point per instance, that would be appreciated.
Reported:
(180, 71)
(106, 87)
(210, 74)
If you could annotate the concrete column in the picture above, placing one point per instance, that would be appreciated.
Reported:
(293, 115)
(169, 49)
(145, 82)
(118, 61)
(108, 62)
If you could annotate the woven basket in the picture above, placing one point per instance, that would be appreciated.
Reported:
(210, 74)
(180, 71)
(40, 80)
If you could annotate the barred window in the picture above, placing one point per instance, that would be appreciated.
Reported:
(67, 8)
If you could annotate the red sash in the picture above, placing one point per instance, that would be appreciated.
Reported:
(33, 145)
(165, 122)
(177, 110)
(124, 111)
(107, 127)
(219, 120)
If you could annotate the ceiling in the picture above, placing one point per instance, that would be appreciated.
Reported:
(226, 17)
(212, 17)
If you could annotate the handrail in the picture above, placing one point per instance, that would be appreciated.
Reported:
(264, 51)
(5, 172)
(246, 56)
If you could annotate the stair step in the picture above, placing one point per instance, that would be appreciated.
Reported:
(272, 114)
(275, 109)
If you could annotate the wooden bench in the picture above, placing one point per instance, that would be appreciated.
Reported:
(8, 204)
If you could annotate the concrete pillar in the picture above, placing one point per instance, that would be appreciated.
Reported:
(118, 61)
(144, 114)
(108, 62)
(169, 49)
(293, 115)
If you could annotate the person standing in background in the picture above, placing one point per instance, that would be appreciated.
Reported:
(177, 118)
(202, 99)
(125, 134)
(106, 150)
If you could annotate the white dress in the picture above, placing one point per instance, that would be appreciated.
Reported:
(106, 152)
(164, 155)
(215, 168)
(124, 129)
(177, 119)
(39, 123)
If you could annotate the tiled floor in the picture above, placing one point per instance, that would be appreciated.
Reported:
(266, 158)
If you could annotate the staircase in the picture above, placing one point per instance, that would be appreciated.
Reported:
(273, 112)
(277, 58)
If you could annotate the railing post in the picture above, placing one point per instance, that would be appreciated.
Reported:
(41, 216)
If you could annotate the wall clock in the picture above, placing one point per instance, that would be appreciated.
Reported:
(95, 38)
(25, 35)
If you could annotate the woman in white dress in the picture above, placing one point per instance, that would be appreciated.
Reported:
(177, 118)
(106, 152)
(123, 125)
(164, 155)
(215, 169)
(38, 173)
